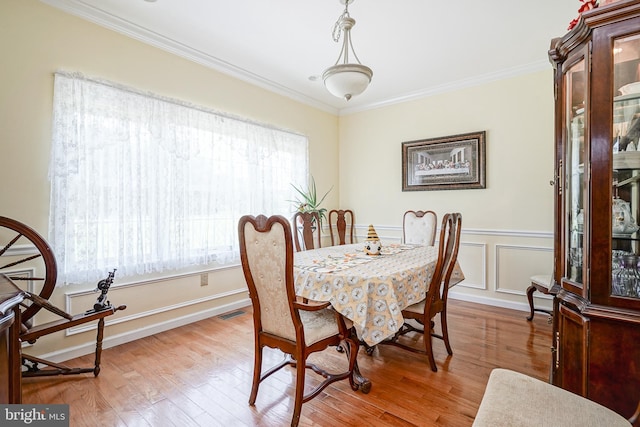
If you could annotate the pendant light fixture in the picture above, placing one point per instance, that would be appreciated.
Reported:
(346, 79)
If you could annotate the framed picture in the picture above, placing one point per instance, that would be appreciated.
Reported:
(448, 163)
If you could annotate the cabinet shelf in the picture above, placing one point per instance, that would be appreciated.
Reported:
(622, 236)
(628, 97)
(626, 160)
(618, 236)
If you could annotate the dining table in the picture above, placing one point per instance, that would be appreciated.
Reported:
(369, 290)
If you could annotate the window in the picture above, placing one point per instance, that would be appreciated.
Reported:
(147, 184)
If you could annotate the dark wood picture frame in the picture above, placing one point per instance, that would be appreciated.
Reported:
(447, 163)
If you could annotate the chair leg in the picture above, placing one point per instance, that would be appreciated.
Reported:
(428, 347)
(299, 393)
(530, 290)
(257, 372)
(445, 330)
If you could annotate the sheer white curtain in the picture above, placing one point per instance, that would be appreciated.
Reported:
(145, 184)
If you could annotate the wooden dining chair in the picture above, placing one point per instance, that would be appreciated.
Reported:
(307, 231)
(419, 227)
(543, 283)
(280, 319)
(435, 302)
(342, 222)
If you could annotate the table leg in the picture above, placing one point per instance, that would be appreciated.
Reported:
(363, 383)
(368, 348)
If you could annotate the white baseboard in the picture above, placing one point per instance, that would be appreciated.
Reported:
(112, 341)
(520, 306)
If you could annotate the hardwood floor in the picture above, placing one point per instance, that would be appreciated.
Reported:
(200, 375)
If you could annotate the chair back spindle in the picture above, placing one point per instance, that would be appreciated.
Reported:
(307, 231)
(448, 253)
(341, 226)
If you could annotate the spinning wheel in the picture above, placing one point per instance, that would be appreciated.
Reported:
(18, 260)
(20, 238)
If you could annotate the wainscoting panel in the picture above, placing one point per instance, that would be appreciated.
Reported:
(515, 264)
(472, 258)
(150, 298)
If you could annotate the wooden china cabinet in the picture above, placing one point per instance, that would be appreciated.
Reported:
(596, 348)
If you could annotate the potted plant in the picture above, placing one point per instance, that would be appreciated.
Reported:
(307, 201)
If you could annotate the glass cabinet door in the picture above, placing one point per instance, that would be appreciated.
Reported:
(574, 159)
(625, 145)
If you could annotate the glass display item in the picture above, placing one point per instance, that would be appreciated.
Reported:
(626, 281)
(622, 223)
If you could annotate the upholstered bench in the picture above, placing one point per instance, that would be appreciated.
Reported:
(512, 399)
(541, 283)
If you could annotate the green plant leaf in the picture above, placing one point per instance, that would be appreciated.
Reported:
(308, 200)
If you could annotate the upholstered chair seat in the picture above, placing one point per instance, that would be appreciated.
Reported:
(514, 399)
(417, 308)
(318, 325)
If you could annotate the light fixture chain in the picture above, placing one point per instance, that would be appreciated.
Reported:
(346, 79)
(337, 28)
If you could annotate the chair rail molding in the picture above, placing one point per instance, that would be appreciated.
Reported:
(361, 232)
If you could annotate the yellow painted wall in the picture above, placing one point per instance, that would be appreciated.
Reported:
(507, 226)
(35, 41)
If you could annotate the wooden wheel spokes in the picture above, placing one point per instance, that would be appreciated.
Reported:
(32, 248)
(25, 279)
(23, 260)
(15, 239)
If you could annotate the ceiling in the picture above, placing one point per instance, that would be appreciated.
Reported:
(415, 48)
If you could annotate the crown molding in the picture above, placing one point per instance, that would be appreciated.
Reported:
(104, 19)
(453, 86)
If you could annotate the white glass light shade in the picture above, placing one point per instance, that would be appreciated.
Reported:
(347, 80)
